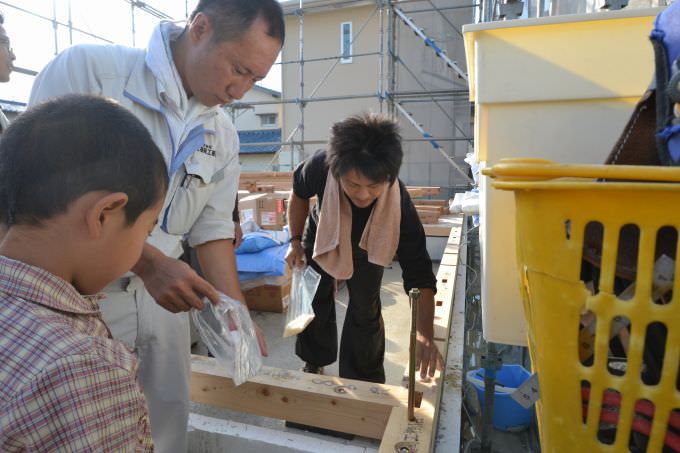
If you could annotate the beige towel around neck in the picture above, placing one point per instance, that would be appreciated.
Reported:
(333, 243)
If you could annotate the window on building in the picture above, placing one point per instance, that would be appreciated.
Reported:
(268, 119)
(346, 42)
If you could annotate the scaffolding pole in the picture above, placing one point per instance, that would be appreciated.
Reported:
(334, 57)
(301, 104)
(71, 28)
(301, 101)
(70, 25)
(321, 142)
(381, 54)
(430, 43)
(392, 67)
(432, 141)
(441, 8)
(132, 19)
(422, 86)
(55, 27)
(400, 94)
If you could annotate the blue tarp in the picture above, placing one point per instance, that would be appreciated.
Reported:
(269, 262)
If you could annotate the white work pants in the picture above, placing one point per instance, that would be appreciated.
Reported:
(161, 341)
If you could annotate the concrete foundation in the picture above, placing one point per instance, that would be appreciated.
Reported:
(209, 435)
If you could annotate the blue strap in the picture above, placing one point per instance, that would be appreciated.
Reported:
(192, 143)
(159, 109)
(665, 37)
(669, 132)
(195, 139)
(671, 138)
(667, 30)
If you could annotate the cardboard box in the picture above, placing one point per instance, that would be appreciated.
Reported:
(268, 210)
(271, 298)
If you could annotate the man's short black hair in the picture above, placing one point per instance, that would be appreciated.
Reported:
(369, 144)
(230, 19)
(58, 151)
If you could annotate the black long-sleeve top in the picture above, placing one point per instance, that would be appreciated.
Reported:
(309, 179)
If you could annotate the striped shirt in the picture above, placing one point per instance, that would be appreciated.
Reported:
(65, 385)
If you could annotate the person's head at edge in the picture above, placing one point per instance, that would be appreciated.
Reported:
(6, 53)
(77, 196)
(364, 155)
(226, 47)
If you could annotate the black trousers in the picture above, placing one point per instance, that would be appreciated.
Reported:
(362, 345)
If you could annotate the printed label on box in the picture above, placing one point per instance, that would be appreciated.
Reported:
(527, 393)
(247, 214)
(268, 218)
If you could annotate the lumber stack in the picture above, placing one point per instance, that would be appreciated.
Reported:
(429, 211)
(422, 191)
(266, 181)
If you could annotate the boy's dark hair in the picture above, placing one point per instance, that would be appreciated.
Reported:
(231, 18)
(58, 151)
(368, 143)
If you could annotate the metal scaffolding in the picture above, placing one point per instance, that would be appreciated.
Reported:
(391, 15)
(57, 24)
(393, 72)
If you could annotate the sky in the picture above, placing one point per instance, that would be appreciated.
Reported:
(35, 41)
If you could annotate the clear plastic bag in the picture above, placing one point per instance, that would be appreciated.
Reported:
(228, 332)
(302, 290)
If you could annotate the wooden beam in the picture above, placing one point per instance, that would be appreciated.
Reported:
(427, 207)
(415, 435)
(442, 203)
(428, 217)
(263, 181)
(440, 230)
(451, 402)
(446, 282)
(420, 191)
(443, 226)
(345, 405)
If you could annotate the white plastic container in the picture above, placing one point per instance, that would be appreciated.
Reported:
(558, 88)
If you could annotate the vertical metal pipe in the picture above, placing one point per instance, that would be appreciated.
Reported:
(541, 8)
(301, 55)
(70, 25)
(132, 17)
(392, 67)
(381, 54)
(54, 26)
(491, 363)
(414, 296)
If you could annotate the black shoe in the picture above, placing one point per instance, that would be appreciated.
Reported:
(313, 369)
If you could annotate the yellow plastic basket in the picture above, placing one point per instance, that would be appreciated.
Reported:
(582, 402)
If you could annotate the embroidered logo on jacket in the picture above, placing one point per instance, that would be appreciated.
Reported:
(207, 149)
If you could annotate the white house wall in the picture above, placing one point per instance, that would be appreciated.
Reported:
(248, 119)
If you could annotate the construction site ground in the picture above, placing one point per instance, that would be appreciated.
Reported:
(396, 315)
(214, 429)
